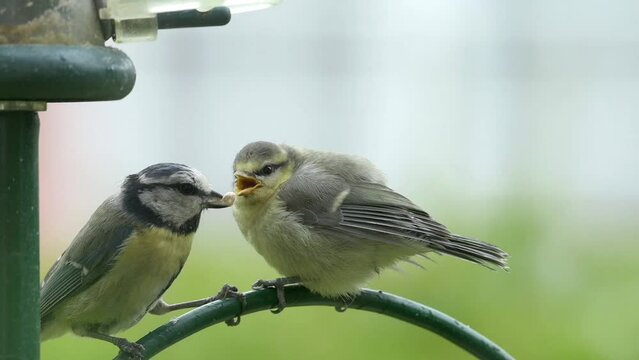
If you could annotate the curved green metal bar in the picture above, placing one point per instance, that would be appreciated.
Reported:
(296, 295)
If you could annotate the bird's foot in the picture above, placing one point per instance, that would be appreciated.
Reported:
(278, 284)
(229, 291)
(133, 350)
(279, 287)
(130, 349)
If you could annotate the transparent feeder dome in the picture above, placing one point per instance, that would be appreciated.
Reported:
(136, 20)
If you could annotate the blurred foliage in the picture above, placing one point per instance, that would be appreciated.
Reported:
(571, 293)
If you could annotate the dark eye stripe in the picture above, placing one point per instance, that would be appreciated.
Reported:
(186, 189)
(183, 188)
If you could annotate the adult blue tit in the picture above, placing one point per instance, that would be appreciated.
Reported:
(330, 222)
(127, 255)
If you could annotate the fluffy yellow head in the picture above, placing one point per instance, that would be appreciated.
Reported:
(260, 168)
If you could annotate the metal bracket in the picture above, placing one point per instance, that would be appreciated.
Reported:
(16, 105)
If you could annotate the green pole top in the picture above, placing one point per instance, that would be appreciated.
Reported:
(59, 73)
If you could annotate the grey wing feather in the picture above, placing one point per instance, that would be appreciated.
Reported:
(376, 212)
(88, 258)
(63, 281)
(311, 193)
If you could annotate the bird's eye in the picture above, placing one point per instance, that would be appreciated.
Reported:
(267, 170)
(187, 189)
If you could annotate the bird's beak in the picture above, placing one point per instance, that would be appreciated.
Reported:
(217, 201)
(245, 185)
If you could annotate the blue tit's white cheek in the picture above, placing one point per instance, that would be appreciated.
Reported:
(142, 271)
(171, 206)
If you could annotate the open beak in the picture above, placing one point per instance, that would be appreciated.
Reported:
(245, 185)
(217, 201)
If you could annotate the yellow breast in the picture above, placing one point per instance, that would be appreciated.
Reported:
(143, 269)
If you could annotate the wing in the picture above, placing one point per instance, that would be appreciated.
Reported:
(88, 258)
(375, 212)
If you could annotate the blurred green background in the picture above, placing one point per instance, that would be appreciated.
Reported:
(511, 122)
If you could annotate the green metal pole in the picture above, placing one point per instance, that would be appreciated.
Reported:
(19, 247)
(368, 300)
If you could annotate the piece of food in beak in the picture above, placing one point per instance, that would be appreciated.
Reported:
(217, 201)
(229, 198)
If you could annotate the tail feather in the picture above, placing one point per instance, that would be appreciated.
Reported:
(475, 251)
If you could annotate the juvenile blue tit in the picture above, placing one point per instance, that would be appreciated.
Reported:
(330, 222)
(127, 255)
